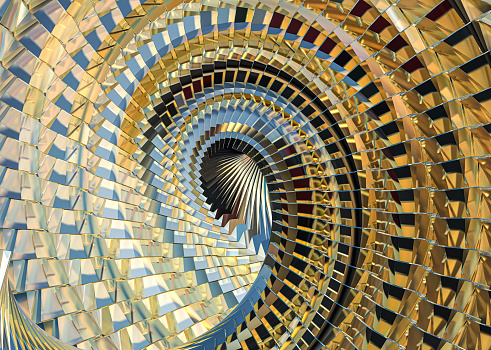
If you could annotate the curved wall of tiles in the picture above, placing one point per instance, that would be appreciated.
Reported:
(245, 175)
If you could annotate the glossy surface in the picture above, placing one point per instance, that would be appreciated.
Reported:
(356, 141)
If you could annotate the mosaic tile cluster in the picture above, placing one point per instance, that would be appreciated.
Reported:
(225, 174)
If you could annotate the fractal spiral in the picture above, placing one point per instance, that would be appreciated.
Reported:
(245, 174)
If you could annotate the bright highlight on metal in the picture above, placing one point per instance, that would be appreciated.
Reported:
(248, 174)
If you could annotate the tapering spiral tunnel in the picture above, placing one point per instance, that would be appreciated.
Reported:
(233, 174)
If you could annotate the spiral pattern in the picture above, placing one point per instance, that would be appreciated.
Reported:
(225, 174)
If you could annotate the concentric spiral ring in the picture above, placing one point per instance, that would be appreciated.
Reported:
(245, 174)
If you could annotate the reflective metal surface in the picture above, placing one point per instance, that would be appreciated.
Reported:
(243, 174)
